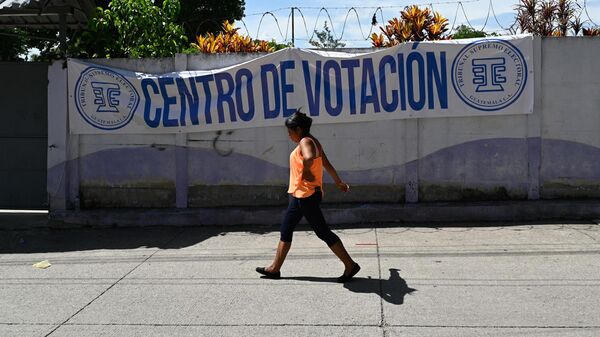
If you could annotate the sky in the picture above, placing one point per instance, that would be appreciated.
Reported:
(309, 17)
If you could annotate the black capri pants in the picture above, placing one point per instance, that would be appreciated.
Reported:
(311, 209)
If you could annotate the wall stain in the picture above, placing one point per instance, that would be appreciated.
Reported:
(158, 147)
(268, 150)
(216, 140)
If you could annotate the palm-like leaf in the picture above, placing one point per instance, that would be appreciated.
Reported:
(377, 40)
(229, 41)
(415, 24)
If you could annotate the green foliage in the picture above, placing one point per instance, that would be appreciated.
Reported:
(13, 44)
(277, 46)
(46, 42)
(466, 32)
(132, 28)
(326, 39)
(129, 28)
(206, 16)
(16, 44)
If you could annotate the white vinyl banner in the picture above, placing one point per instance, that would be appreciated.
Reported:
(473, 77)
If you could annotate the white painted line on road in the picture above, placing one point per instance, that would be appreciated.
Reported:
(23, 211)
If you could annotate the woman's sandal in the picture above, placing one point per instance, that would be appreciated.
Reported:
(345, 278)
(268, 274)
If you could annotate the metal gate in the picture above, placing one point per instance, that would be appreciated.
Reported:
(23, 135)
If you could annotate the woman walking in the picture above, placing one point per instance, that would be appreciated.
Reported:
(305, 188)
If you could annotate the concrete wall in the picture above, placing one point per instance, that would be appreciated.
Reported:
(552, 153)
(570, 102)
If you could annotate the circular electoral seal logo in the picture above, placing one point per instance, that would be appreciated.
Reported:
(105, 98)
(489, 74)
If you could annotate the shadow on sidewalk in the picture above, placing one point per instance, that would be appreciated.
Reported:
(392, 290)
(46, 240)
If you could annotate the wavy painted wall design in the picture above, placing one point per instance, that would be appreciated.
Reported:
(487, 169)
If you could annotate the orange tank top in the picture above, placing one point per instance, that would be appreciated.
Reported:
(299, 187)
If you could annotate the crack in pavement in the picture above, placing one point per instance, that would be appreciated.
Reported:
(167, 242)
(382, 322)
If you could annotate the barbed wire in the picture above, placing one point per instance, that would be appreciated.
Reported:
(587, 14)
(326, 10)
(454, 21)
(276, 22)
(465, 15)
(354, 12)
(496, 18)
(367, 7)
(487, 16)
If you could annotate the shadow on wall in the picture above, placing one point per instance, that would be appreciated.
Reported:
(392, 290)
(70, 240)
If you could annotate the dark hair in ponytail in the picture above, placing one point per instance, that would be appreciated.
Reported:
(301, 120)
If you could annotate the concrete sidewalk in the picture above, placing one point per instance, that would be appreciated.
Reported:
(510, 280)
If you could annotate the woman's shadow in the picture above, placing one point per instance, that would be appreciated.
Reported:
(391, 290)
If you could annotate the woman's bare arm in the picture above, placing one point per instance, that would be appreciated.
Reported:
(309, 153)
(333, 173)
